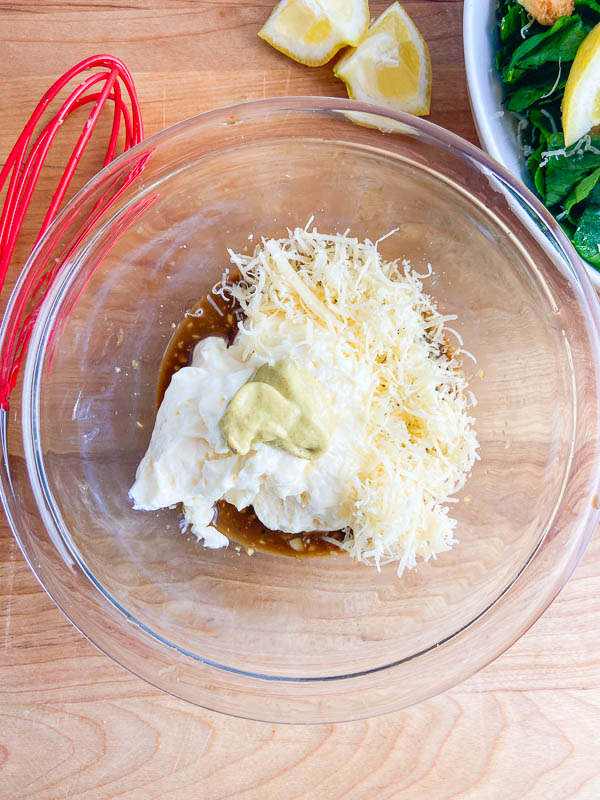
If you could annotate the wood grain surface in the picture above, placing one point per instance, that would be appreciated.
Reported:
(75, 725)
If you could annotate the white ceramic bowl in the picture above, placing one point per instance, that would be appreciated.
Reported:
(496, 128)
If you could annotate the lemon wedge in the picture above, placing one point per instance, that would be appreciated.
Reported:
(312, 31)
(390, 66)
(384, 124)
(581, 101)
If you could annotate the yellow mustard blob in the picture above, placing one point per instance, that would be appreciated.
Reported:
(282, 405)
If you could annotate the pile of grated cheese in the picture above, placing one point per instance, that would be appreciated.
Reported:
(416, 445)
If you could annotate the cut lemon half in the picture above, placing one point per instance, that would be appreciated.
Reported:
(581, 101)
(312, 31)
(390, 66)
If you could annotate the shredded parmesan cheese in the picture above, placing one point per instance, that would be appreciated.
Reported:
(550, 119)
(418, 444)
(584, 145)
(528, 24)
(556, 82)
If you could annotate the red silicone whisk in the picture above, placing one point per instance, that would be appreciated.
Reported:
(109, 79)
(24, 168)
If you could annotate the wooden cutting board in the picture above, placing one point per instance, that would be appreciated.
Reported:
(75, 725)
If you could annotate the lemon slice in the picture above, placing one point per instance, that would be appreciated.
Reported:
(390, 66)
(581, 102)
(384, 124)
(312, 31)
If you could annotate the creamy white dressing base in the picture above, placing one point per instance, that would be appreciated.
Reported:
(188, 461)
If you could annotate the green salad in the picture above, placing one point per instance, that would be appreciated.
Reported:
(534, 63)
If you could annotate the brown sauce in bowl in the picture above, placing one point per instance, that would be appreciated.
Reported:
(215, 316)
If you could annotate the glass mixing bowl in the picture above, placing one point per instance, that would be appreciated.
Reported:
(270, 637)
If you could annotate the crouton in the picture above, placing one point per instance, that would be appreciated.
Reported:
(546, 12)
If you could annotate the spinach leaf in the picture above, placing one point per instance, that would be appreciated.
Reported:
(581, 191)
(543, 119)
(567, 227)
(542, 84)
(539, 179)
(564, 170)
(588, 10)
(559, 43)
(504, 7)
(512, 22)
(580, 5)
(587, 235)
(533, 161)
(594, 198)
(510, 35)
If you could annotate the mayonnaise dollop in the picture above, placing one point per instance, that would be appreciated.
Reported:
(189, 462)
